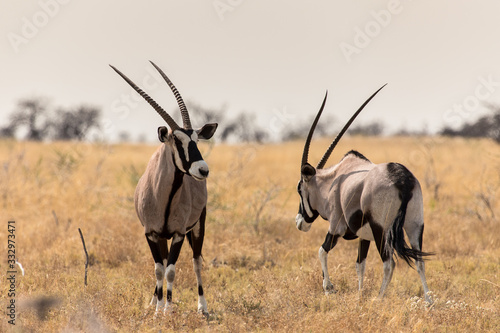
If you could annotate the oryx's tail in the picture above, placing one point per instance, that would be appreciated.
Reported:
(405, 182)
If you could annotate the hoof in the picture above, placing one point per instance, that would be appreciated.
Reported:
(329, 289)
(169, 308)
(203, 312)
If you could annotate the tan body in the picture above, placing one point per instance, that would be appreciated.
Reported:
(153, 192)
(356, 184)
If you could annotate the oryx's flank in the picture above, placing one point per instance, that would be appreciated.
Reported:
(171, 196)
(374, 202)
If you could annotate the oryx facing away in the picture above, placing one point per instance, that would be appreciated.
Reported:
(374, 202)
(171, 196)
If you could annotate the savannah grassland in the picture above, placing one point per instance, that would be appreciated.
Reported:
(260, 273)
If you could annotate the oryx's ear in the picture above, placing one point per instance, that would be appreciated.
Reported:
(207, 131)
(162, 133)
(307, 171)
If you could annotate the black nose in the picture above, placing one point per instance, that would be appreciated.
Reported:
(204, 172)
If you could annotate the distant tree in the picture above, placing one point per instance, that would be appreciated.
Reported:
(7, 132)
(75, 124)
(487, 126)
(31, 114)
(325, 127)
(374, 128)
(124, 136)
(243, 129)
(201, 115)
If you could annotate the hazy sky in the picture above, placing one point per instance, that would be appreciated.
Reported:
(272, 58)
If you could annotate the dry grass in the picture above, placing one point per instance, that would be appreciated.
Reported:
(260, 273)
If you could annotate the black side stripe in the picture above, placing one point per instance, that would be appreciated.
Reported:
(178, 177)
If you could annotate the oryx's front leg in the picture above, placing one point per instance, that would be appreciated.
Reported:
(175, 250)
(195, 238)
(159, 251)
(330, 242)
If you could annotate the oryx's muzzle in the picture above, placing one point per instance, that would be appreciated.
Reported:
(199, 170)
(302, 225)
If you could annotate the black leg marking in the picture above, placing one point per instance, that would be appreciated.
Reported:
(157, 256)
(421, 238)
(160, 294)
(330, 242)
(175, 250)
(200, 291)
(195, 237)
(155, 250)
(378, 234)
(357, 220)
(364, 245)
(169, 295)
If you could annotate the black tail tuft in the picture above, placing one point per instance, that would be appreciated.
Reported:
(405, 182)
(396, 239)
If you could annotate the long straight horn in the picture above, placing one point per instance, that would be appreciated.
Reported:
(184, 112)
(305, 154)
(328, 152)
(170, 122)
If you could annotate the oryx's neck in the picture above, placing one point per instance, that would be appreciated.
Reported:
(322, 186)
(164, 169)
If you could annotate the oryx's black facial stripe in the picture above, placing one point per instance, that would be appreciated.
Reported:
(308, 213)
(186, 145)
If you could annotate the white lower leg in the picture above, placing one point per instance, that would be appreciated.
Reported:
(388, 270)
(421, 272)
(170, 276)
(159, 300)
(360, 269)
(323, 258)
(202, 303)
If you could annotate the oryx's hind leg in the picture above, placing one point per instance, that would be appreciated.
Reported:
(159, 250)
(386, 254)
(330, 242)
(175, 250)
(195, 238)
(415, 234)
(364, 245)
